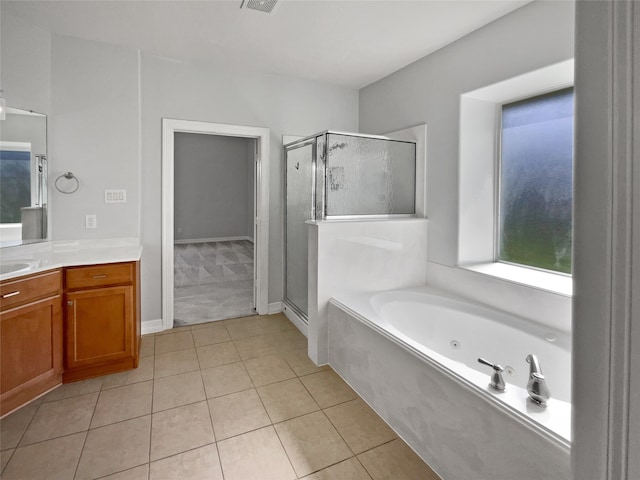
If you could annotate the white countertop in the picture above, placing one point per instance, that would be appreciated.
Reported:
(68, 253)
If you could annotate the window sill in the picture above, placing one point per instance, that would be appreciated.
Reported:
(550, 282)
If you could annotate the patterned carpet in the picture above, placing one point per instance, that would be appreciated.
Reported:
(212, 281)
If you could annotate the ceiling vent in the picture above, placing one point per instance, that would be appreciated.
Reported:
(260, 5)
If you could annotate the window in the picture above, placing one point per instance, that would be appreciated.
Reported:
(15, 182)
(536, 182)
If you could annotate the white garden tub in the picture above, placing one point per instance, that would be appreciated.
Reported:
(441, 337)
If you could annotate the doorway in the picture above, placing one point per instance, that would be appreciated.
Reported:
(208, 253)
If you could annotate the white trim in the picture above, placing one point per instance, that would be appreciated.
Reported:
(261, 234)
(275, 307)
(152, 326)
(606, 340)
(479, 113)
(207, 240)
(295, 319)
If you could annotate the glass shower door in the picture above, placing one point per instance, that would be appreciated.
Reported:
(299, 207)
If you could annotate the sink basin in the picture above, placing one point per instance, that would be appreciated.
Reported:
(16, 266)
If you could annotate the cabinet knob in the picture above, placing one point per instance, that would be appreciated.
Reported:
(69, 302)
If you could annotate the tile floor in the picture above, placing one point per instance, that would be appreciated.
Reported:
(212, 281)
(231, 400)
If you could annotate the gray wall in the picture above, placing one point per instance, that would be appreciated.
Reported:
(25, 67)
(285, 105)
(109, 103)
(26, 128)
(428, 91)
(95, 135)
(213, 194)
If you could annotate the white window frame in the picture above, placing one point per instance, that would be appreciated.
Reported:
(480, 112)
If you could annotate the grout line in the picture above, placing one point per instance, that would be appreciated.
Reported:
(153, 390)
(125, 470)
(28, 425)
(285, 451)
(7, 462)
(47, 440)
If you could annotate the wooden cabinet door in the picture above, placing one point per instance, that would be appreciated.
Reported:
(99, 326)
(30, 351)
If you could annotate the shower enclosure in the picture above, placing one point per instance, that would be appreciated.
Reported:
(334, 175)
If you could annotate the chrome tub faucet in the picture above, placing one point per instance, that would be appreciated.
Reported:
(537, 387)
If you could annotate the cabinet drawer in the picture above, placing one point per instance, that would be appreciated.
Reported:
(99, 275)
(26, 289)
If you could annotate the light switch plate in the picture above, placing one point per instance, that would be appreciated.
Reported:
(115, 196)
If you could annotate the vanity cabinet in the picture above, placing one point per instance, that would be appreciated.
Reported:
(102, 319)
(31, 330)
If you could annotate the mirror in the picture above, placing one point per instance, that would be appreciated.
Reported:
(23, 178)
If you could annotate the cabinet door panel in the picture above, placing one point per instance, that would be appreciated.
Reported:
(31, 351)
(100, 325)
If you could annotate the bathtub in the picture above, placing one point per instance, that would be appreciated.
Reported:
(412, 355)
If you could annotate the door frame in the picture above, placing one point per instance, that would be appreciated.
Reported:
(261, 212)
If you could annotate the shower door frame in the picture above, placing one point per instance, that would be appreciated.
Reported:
(261, 211)
(312, 140)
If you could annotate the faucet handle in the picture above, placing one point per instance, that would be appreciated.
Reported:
(497, 382)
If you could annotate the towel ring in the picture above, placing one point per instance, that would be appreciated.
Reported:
(68, 185)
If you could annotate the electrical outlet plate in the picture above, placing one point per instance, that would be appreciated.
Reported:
(91, 221)
(115, 196)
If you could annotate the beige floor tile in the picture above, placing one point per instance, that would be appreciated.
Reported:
(173, 330)
(328, 389)
(269, 369)
(180, 429)
(218, 354)
(136, 473)
(177, 390)
(237, 413)
(74, 389)
(63, 417)
(285, 400)
(300, 362)
(225, 379)
(143, 373)
(274, 323)
(51, 460)
(212, 323)
(359, 425)
(288, 340)
(395, 461)
(115, 448)
(253, 347)
(244, 327)
(199, 464)
(13, 426)
(210, 335)
(123, 403)
(172, 342)
(147, 345)
(174, 363)
(255, 455)
(312, 443)
(347, 470)
(5, 456)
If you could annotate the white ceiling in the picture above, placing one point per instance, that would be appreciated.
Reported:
(343, 42)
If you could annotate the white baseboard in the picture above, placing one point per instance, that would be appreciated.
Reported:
(295, 319)
(207, 240)
(152, 326)
(275, 307)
